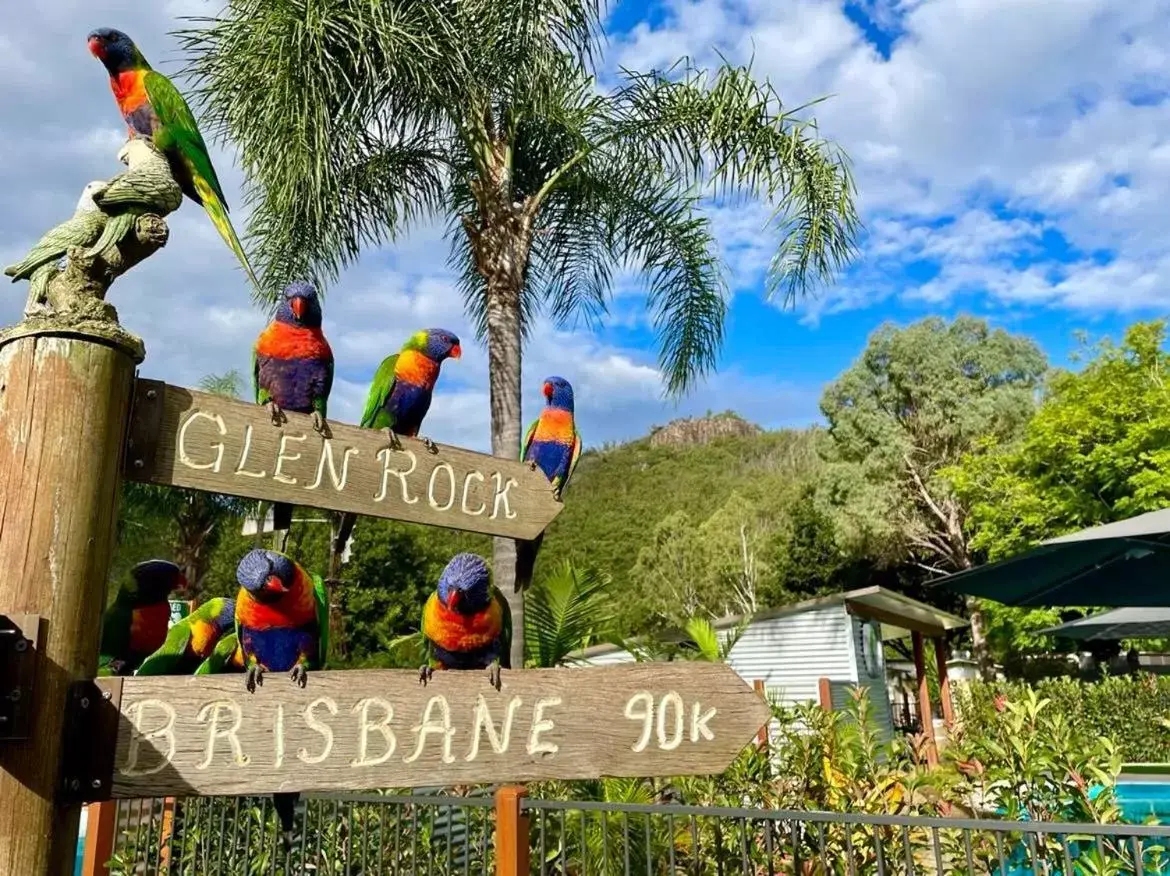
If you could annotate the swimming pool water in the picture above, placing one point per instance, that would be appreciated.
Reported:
(1139, 800)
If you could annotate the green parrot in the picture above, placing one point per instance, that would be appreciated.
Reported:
(135, 624)
(192, 641)
(152, 107)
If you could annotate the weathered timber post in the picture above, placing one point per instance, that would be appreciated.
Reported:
(66, 374)
(64, 404)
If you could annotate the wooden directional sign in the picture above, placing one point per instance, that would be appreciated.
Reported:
(191, 439)
(363, 729)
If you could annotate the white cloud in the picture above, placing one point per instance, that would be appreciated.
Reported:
(1028, 104)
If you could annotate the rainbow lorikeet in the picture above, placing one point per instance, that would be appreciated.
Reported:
(154, 108)
(135, 624)
(292, 367)
(192, 641)
(552, 444)
(400, 395)
(466, 623)
(282, 624)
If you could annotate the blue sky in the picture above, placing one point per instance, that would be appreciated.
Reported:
(1012, 156)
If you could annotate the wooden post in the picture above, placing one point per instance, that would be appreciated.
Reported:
(64, 401)
(762, 736)
(166, 834)
(825, 694)
(100, 825)
(925, 713)
(944, 683)
(511, 832)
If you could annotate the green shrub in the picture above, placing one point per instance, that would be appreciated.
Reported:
(1129, 710)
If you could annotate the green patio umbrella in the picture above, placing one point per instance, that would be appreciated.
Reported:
(1126, 563)
(1145, 622)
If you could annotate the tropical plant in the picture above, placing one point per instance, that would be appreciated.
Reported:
(568, 609)
(377, 116)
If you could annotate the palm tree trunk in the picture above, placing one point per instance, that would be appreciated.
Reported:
(504, 351)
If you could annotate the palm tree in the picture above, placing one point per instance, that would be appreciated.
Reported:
(359, 119)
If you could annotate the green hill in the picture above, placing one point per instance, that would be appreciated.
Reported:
(619, 495)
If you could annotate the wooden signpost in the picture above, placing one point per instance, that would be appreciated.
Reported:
(192, 439)
(362, 729)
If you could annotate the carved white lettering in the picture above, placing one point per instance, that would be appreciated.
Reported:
(240, 467)
(165, 730)
(483, 722)
(446, 467)
(278, 734)
(429, 725)
(699, 721)
(640, 707)
(339, 481)
(675, 704)
(384, 456)
(472, 475)
(382, 725)
(321, 727)
(541, 724)
(501, 498)
(185, 457)
(284, 456)
(210, 715)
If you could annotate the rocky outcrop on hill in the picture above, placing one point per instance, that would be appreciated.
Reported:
(701, 430)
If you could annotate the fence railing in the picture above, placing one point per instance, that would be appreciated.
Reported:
(512, 835)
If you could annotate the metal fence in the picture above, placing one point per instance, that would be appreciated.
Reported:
(363, 835)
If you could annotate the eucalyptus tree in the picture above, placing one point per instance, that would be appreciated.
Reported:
(357, 120)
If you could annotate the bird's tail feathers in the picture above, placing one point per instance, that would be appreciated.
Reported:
(286, 809)
(217, 211)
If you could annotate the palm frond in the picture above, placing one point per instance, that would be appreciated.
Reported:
(564, 612)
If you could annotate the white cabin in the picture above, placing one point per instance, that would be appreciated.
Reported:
(815, 651)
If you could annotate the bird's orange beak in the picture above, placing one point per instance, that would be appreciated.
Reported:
(456, 352)
(298, 307)
(452, 599)
(275, 585)
(95, 47)
(548, 391)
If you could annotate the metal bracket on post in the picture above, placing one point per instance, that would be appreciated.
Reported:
(19, 635)
(146, 412)
(93, 711)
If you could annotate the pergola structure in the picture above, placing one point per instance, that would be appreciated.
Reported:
(901, 617)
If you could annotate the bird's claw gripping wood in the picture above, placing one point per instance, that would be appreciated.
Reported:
(557, 493)
(424, 674)
(495, 675)
(430, 445)
(278, 418)
(395, 444)
(319, 423)
(254, 678)
(532, 465)
(299, 675)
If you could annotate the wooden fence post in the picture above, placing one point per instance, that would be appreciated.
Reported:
(925, 712)
(100, 824)
(511, 832)
(64, 401)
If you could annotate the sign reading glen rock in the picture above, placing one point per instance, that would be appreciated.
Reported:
(363, 729)
(206, 442)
